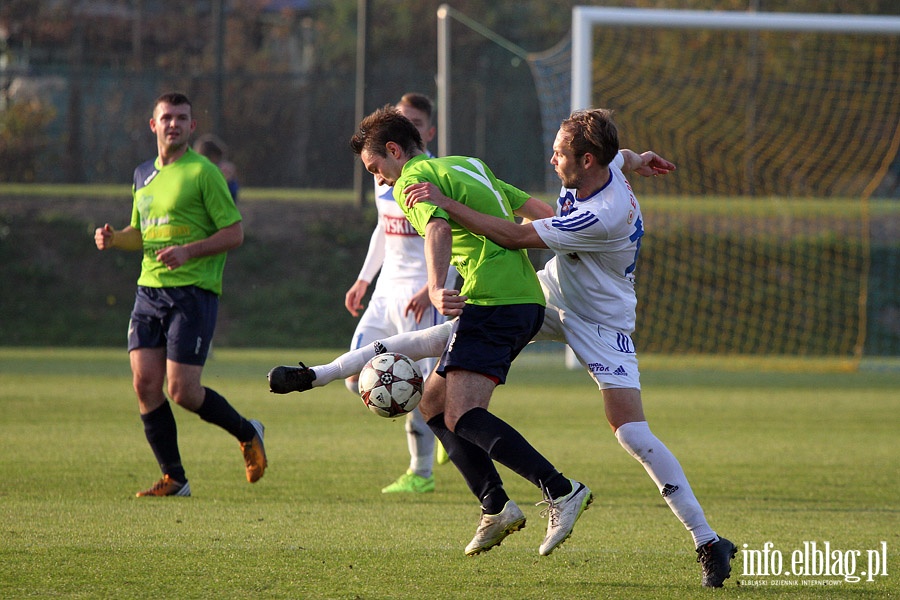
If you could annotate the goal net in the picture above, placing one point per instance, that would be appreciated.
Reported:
(768, 238)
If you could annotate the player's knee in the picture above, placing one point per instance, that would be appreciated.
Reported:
(352, 384)
(186, 393)
(637, 439)
(147, 387)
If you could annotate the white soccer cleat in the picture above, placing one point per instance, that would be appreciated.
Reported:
(493, 529)
(562, 513)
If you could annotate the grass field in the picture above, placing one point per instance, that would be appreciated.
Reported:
(787, 456)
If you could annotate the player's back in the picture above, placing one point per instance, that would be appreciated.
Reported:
(492, 275)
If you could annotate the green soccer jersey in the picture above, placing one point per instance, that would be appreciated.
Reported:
(492, 275)
(180, 203)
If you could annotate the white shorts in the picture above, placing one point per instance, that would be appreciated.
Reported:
(384, 317)
(608, 355)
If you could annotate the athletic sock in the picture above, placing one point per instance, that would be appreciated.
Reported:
(420, 442)
(216, 410)
(425, 343)
(162, 434)
(669, 477)
(507, 446)
(494, 501)
(474, 465)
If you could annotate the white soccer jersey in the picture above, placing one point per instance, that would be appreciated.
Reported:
(596, 242)
(396, 249)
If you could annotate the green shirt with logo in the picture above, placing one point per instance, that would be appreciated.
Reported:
(176, 204)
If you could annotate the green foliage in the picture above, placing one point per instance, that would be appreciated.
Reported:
(23, 128)
(284, 99)
(784, 458)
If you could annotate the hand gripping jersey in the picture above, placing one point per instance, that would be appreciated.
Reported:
(596, 242)
(492, 275)
(179, 203)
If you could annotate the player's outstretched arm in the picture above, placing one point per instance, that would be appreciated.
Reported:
(535, 209)
(647, 164)
(502, 232)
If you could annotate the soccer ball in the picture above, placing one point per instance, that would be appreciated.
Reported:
(390, 385)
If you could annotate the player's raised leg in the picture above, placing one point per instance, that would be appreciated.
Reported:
(417, 345)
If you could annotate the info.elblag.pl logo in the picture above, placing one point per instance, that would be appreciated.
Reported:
(812, 563)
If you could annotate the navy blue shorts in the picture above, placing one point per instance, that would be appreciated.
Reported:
(180, 319)
(486, 339)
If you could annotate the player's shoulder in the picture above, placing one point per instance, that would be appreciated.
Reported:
(467, 161)
(144, 173)
(193, 158)
(450, 162)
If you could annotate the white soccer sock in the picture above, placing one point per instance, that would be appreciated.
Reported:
(669, 477)
(425, 343)
(420, 440)
(345, 365)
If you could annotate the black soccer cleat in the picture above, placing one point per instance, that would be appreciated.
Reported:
(283, 380)
(715, 560)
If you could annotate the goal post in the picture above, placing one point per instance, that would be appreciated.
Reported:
(550, 69)
(586, 18)
(785, 127)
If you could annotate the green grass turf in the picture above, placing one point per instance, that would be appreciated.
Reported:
(774, 456)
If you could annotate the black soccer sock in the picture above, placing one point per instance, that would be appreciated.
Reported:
(507, 446)
(216, 410)
(474, 464)
(494, 500)
(162, 434)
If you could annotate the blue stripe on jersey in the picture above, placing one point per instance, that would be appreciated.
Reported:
(144, 174)
(575, 222)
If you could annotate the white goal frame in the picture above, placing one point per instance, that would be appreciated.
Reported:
(586, 18)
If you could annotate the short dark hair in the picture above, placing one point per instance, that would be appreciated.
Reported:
(386, 125)
(173, 98)
(592, 131)
(419, 102)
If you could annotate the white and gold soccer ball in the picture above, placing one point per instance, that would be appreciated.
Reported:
(390, 384)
